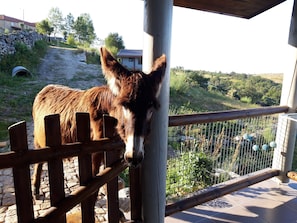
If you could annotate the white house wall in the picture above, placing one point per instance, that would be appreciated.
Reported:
(131, 63)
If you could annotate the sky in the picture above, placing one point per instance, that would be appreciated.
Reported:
(200, 40)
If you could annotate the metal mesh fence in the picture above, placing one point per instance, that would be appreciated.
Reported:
(202, 155)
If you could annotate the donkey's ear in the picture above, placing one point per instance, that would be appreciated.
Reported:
(158, 72)
(112, 70)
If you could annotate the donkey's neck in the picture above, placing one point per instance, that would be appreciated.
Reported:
(101, 101)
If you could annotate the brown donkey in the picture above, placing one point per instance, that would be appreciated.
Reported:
(130, 97)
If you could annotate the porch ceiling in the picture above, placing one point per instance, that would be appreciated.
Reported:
(239, 8)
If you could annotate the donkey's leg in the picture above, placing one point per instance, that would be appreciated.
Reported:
(97, 161)
(37, 179)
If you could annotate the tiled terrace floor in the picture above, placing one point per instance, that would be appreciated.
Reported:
(265, 202)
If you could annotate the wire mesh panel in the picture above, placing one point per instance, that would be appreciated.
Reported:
(202, 155)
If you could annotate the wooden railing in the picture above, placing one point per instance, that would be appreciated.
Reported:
(177, 120)
(20, 158)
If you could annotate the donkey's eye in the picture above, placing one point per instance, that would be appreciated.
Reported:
(149, 114)
(154, 104)
(151, 104)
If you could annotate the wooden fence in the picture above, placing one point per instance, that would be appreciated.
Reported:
(20, 159)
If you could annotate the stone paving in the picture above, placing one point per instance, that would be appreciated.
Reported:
(7, 195)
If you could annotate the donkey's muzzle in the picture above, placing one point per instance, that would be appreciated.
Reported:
(133, 159)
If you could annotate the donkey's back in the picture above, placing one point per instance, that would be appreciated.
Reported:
(58, 99)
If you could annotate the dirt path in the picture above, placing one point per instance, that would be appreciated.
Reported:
(69, 67)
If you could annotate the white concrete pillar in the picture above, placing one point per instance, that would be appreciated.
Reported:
(157, 41)
(286, 131)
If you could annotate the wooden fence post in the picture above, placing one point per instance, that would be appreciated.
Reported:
(135, 194)
(112, 186)
(21, 174)
(55, 166)
(85, 166)
(112, 189)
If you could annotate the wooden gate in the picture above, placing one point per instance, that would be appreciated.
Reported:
(20, 158)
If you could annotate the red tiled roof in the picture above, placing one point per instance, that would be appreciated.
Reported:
(11, 19)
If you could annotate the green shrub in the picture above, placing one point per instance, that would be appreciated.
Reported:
(195, 79)
(245, 99)
(40, 48)
(71, 40)
(17, 93)
(93, 56)
(178, 84)
(23, 56)
(192, 170)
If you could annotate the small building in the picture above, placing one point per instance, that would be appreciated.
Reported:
(12, 24)
(131, 59)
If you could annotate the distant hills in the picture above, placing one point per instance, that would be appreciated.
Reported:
(276, 77)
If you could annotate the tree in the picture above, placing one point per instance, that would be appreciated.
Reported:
(249, 90)
(68, 25)
(55, 18)
(84, 29)
(219, 84)
(44, 27)
(114, 43)
(194, 78)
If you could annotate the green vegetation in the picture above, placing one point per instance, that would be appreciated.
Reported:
(65, 45)
(84, 28)
(188, 172)
(77, 32)
(80, 31)
(200, 91)
(189, 93)
(205, 154)
(23, 56)
(44, 27)
(93, 56)
(17, 93)
(114, 43)
(199, 149)
(277, 78)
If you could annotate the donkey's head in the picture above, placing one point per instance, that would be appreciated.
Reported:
(135, 100)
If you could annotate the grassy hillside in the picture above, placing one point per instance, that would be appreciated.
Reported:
(200, 100)
(188, 97)
(277, 78)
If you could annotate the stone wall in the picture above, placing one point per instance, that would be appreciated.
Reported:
(8, 41)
